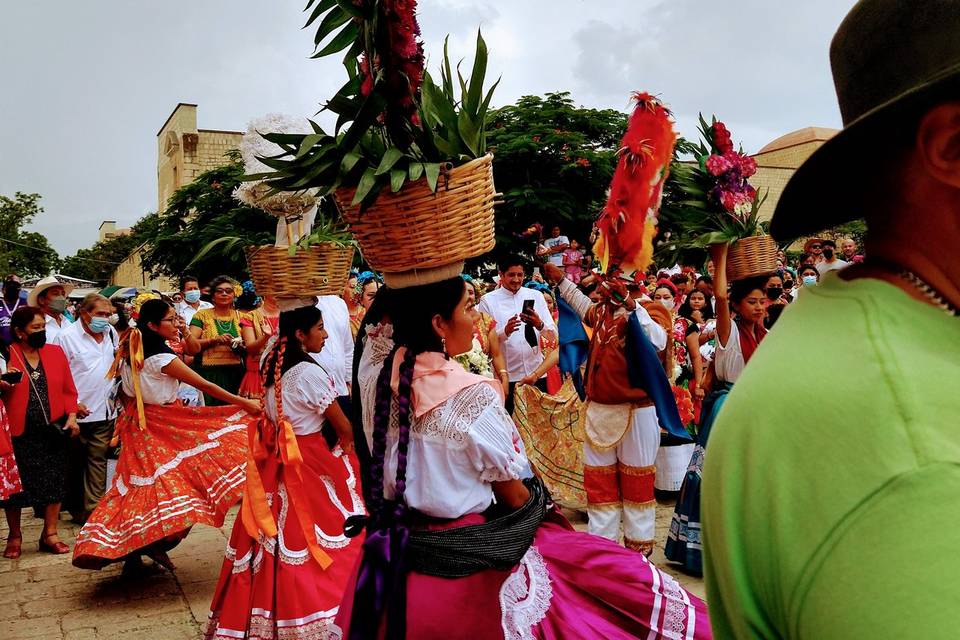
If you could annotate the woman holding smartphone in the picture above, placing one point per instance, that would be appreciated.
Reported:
(9, 474)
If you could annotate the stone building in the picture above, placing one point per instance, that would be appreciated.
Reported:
(777, 161)
(184, 151)
(108, 231)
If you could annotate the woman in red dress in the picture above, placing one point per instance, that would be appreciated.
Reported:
(288, 560)
(179, 466)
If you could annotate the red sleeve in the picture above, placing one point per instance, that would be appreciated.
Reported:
(69, 388)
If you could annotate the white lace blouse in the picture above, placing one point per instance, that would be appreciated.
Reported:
(155, 386)
(307, 392)
(456, 450)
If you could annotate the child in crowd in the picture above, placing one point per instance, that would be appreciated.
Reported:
(573, 262)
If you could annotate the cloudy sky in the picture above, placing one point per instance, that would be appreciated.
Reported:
(86, 85)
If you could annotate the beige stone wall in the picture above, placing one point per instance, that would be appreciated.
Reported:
(130, 273)
(770, 181)
(790, 157)
(184, 152)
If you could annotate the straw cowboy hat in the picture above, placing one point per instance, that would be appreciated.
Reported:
(45, 284)
(889, 59)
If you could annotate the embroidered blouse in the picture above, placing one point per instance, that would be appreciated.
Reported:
(307, 392)
(155, 386)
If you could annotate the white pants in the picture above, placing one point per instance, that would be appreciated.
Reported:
(619, 483)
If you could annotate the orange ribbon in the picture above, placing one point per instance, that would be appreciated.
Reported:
(131, 348)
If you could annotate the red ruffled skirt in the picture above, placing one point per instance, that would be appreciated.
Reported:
(9, 473)
(569, 585)
(251, 386)
(273, 588)
(187, 467)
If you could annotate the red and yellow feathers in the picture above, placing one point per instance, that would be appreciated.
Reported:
(628, 222)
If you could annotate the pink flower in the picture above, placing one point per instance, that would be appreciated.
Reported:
(748, 166)
(718, 165)
(728, 200)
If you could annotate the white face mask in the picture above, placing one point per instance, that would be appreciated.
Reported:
(668, 304)
(113, 319)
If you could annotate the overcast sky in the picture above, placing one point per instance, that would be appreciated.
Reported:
(86, 85)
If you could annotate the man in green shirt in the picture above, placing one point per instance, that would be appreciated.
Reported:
(832, 511)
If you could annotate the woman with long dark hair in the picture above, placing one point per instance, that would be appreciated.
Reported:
(737, 339)
(288, 560)
(179, 466)
(458, 545)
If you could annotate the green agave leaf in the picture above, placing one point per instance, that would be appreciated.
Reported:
(486, 100)
(446, 74)
(415, 170)
(351, 8)
(366, 183)
(389, 159)
(308, 143)
(230, 243)
(284, 138)
(349, 160)
(331, 21)
(397, 178)
(469, 132)
(346, 37)
(433, 174)
(322, 6)
(477, 76)
(372, 107)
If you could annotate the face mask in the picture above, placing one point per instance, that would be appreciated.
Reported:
(193, 297)
(58, 304)
(12, 291)
(809, 281)
(667, 303)
(774, 293)
(99, 325)
(113, 319)
(37, 340)
(828, 254)
(787, 285)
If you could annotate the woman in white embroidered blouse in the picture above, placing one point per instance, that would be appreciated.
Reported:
(446, 455)
(288, 559)
(179, 466)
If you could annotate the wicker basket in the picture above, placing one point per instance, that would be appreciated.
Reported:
(418, 229)
(753, 256)
(316, 270)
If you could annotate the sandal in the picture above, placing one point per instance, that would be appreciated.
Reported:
(13, 548)
(57, 548)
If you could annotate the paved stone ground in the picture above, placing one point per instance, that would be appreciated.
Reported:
(45, 598)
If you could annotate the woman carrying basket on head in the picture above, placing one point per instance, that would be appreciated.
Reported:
(179, 466)
(288, 559)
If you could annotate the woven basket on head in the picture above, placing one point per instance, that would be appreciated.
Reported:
(418, 229)
(753, 256)
(316, 270)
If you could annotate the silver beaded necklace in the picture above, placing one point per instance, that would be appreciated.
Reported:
(930, 293)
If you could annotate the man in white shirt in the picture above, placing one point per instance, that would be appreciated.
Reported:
(830, 260)
(190, 289)
(90, 344)
(51, 296)
(336, 358)
(519, 326)
(556, 244)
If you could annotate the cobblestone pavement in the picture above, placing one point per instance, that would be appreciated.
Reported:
(46, 598)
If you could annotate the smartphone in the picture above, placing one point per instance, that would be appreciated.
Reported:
(527, 306)
(12, 377)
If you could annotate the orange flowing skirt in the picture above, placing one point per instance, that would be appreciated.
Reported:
(187, 467)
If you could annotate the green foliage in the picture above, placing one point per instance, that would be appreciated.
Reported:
(385, 135)
(25, 253)
(98, 262)
(200, 213)
(553, 162)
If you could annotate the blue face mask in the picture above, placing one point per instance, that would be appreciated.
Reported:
(193, 297)
(99, 325)
(809, 281)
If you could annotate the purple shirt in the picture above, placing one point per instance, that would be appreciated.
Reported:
(6, 311)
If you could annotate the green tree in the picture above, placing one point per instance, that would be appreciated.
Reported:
(25, 253)
(98, 262)
(553, 162)
(199, 213)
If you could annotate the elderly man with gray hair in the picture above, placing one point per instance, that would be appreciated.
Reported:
(90, 345)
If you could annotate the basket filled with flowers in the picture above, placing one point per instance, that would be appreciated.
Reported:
(711, 201)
